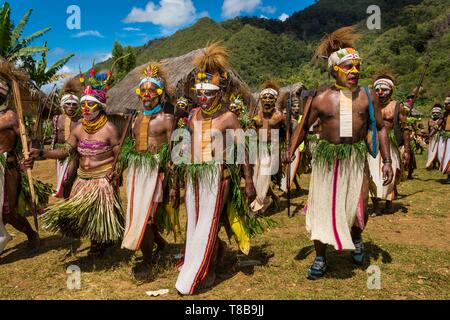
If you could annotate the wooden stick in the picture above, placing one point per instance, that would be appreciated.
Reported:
(26, 151)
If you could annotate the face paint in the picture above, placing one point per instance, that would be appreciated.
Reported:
(348, 73)
(436, 115)
(207, 99)
(268, 102)
(70, 109)
(90, 110)
(149, 94)
(384, 93)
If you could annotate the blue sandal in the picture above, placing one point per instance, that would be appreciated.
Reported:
(358, 254)
(318, 269)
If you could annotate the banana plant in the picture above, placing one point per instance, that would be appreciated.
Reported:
(39, 72)
(14, 46)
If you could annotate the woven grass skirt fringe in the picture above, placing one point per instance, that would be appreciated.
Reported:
(93, 211)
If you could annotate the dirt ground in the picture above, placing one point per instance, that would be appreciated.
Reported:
(411, 248)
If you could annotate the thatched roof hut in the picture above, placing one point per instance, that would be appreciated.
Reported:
(122, 96)
(33, 99)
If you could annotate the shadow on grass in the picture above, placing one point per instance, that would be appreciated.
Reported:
(115, 256)
(230, 266)
(22, 252)
(341, 265)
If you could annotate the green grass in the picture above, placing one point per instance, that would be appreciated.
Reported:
(412, 250)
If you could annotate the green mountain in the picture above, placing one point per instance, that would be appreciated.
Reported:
(413, 32)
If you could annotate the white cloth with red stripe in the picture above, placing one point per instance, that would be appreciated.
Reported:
(376, 166)
(444, 155)
(203, 195)
(336, 202)
(144, 192)
(5, 237)
(61, 176)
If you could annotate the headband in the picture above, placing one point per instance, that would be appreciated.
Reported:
(151, 80)
(384, 83)
(269, 91)
(69, 98)
(206, 86)
(341, 56)
(93, 99)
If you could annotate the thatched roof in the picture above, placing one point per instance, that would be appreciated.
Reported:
(122, 96)
(32, 97)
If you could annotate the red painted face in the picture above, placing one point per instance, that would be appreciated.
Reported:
(206, 98)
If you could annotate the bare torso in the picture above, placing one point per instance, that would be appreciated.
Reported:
(269, 122)
(222, 122)
(60, 127)
(159, 130)
(326, 107)
(9, 132)
(107, 135)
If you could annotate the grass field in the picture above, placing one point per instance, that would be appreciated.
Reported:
(411, 247)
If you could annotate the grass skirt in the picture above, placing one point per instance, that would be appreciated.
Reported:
(93, 211)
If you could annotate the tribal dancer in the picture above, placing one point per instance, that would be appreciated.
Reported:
(300, 163)
(339, 188)
(149, 180)
(434, 128)
(394, 117)
(213, 194)
(443, 140)
(63, 125)
(93, 209)
(268, 120)
(10, 175)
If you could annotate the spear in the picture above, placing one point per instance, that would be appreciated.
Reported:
(288, 143)
(25, 149)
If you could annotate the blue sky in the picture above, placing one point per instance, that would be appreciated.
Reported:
(132, 22)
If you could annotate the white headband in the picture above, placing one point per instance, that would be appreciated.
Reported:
(206, 86)
(69, 98)
(436, 109)
(269, 91)
(447, 100)
(341, 56)
(93, 99)
(383, 83)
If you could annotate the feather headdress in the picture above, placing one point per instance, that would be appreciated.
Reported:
(71, 92)
(95, 87)
(211, 67)
(339, 46)
(154, 73)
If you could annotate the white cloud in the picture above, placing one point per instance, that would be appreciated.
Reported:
(131, 29)
(233, 8)
(203, 14)
(90, 33)
(283, 17)
(269, 9)
(263, 17)
(169, 14)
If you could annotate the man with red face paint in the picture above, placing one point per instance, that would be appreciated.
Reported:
(339, 188)
(394, 117)
(151, 207)
(211, 184)
(63, 125)
(93, 209)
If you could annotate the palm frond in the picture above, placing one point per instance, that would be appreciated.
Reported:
(17, 33)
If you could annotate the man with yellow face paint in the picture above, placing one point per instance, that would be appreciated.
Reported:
(150, 210)
(339, 188)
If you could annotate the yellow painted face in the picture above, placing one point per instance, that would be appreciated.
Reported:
(348, 73)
